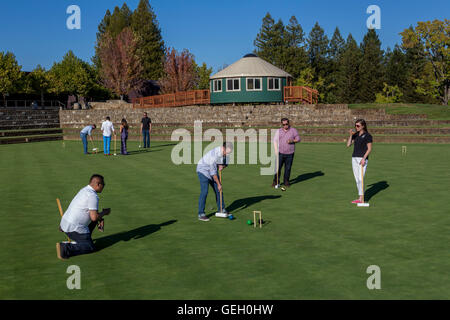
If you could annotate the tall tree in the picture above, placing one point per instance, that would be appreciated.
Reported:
(396, 70)
(119, 20)
(433, 37)
(39, 81)
(371, 70)
(9, 74)
(71, 76)
(121, 66)
(180, 73)
(336, 47)
(102, 29)
(348, 84)
(296, 58)
(318, 50)
(150, 46)
(263, 41)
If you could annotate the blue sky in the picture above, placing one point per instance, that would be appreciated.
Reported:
(216, 32)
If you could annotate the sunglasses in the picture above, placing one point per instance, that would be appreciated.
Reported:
(285, 124)
(357, 125)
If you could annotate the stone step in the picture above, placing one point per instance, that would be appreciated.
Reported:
(30, 138)
(32, 132)
(29, 126)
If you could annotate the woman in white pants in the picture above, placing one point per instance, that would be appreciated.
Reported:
(362, 141)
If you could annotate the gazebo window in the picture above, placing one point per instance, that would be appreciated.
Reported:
(217, 85)
(254, 84)
(273, 84)
(233, 84)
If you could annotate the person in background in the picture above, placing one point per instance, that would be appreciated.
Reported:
(146, 129)
(123, 137)
(87, 131)
(108, 131)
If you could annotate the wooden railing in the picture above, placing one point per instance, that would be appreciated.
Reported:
(300, 94)
(177, 99)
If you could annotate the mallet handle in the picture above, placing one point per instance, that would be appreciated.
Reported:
(59, 207)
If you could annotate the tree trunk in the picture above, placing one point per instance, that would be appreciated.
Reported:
(446, 95)
(42, 98)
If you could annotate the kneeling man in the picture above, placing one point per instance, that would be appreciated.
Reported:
(80, 220)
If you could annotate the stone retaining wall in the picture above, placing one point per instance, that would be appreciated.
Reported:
(236, 115)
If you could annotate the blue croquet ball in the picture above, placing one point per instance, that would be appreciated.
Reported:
(231, 217)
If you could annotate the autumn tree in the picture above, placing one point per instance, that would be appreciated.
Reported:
(121, 67)
(179, 72)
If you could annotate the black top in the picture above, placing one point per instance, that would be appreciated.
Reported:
(361, 142)
(146, 123)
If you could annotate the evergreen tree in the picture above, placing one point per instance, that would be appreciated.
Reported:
(318, 50)
(396, 70)
(119, 20)
(102, 28)
(336, 47)
(348, 73)
(263, 41)
(371, 71)
(295, 53)
(150, 44)
(203, 74)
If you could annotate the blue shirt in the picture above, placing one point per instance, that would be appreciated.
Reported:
(208, 164)
(87, 130)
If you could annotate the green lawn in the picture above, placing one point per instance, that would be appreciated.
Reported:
(433, 111)
(314, 244)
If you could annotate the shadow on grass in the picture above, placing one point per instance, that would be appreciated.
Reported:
(138, 233)
(244, 203)
(374, 189)
(131, 153)
(165, 145)
(306, 176)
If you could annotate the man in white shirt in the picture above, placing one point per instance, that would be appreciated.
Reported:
(108, 130)
(207, 167)
(80, 219)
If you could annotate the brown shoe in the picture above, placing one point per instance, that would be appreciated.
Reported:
(274, 184)
(58, 251)
(287, 184)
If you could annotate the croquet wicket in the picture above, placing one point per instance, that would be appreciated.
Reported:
(259, 220)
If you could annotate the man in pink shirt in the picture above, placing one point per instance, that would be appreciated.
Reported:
(284, 145)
